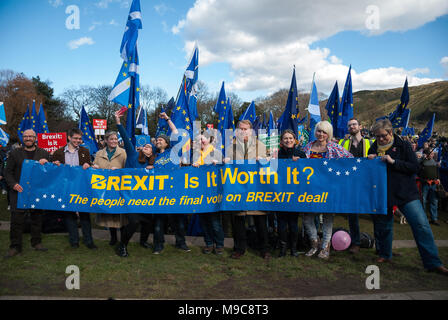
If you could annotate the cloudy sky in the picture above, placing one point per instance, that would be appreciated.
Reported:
(252, 45)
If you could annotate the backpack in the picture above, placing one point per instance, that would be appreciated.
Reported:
(366, 240)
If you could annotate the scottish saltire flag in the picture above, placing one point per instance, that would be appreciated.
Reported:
(314, 110)
(346, 107)
(291, 112)
(271, 123)
(42, 126)
(181, 120)
(427, 132)
(128, 45)
(88, 135)
(24, 124)
(126, 90)
(408, 131)
(191, 79)
(4, 138)
(34, 118)
(249, 114)
(332, 106)
(2, 114)
(142, 122)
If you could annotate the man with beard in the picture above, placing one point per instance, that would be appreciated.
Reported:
(12, 175)
(359, 148)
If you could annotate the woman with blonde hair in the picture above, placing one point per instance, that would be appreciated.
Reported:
(322, 147)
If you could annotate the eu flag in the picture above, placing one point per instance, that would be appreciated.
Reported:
(88, 135)
(162, 125)
(427, 132)
(271, 123)
(181, 120)
(24, 124)
(346, 107)
(34, 118)
(249, 114)
(400, 116)
(42, 121)
(291, 112)
(332, 106)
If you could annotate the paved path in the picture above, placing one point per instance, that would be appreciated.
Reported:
(415, 295)
(228, 242)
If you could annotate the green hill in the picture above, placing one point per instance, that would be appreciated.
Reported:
(424, 100)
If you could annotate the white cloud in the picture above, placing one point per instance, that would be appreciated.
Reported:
(55, 3)
(75, 44)
(444, 63)
(262, 39)
(176, 29)
(104, 4)
(113, 23)
(162, 8)
(94, 25)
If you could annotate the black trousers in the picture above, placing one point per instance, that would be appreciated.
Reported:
(17, 225)
(131, 227)
(240, 235)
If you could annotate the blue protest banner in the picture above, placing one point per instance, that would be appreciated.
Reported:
(306, 185)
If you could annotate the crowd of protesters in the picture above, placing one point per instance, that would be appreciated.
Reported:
(415, 177)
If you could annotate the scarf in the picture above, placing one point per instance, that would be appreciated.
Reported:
(382, 149)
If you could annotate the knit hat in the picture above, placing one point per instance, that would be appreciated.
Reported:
(164, 137)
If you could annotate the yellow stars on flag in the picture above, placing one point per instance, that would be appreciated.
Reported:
(124, 74)
(138, 89)
(184, 112)
(293, 116)
(178, 108)
(187, 119)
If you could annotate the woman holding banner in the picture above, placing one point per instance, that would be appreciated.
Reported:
(210, 222)
(289, 150)
(322, 147)
(143, 158)
(402, 166)
(111, 157)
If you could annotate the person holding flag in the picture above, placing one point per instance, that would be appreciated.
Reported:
(135, 159)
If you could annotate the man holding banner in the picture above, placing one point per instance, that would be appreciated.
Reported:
(75, 155)
(29, 151)
(247, 147)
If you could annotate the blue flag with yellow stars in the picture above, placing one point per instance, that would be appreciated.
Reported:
(88, 135)
(427, 132)
(249, 114)
(24, 124)
(181, 120)
(42, 121)
(332, 106)
(34, 118)
(346, 108)
(291, 113)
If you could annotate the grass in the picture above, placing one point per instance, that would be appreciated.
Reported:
(179, 275)
(193, 275)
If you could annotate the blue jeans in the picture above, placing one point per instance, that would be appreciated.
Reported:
(71, 222)
(213, 232)
(416, 218)
(327, 227)
(353, 223)
(430, 195)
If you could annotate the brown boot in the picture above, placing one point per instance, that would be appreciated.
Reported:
(12, 252)
(354, 249)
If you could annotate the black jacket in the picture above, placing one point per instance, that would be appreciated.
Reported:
(401, 185)
(288, 153)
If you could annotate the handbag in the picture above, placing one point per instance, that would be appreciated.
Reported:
(441, 193)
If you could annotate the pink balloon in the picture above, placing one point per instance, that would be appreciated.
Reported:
(341, 240)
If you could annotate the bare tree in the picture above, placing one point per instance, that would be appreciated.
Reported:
(75, 98)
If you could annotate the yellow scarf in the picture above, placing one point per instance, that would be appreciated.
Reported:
(204, 154)
(382, 149)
